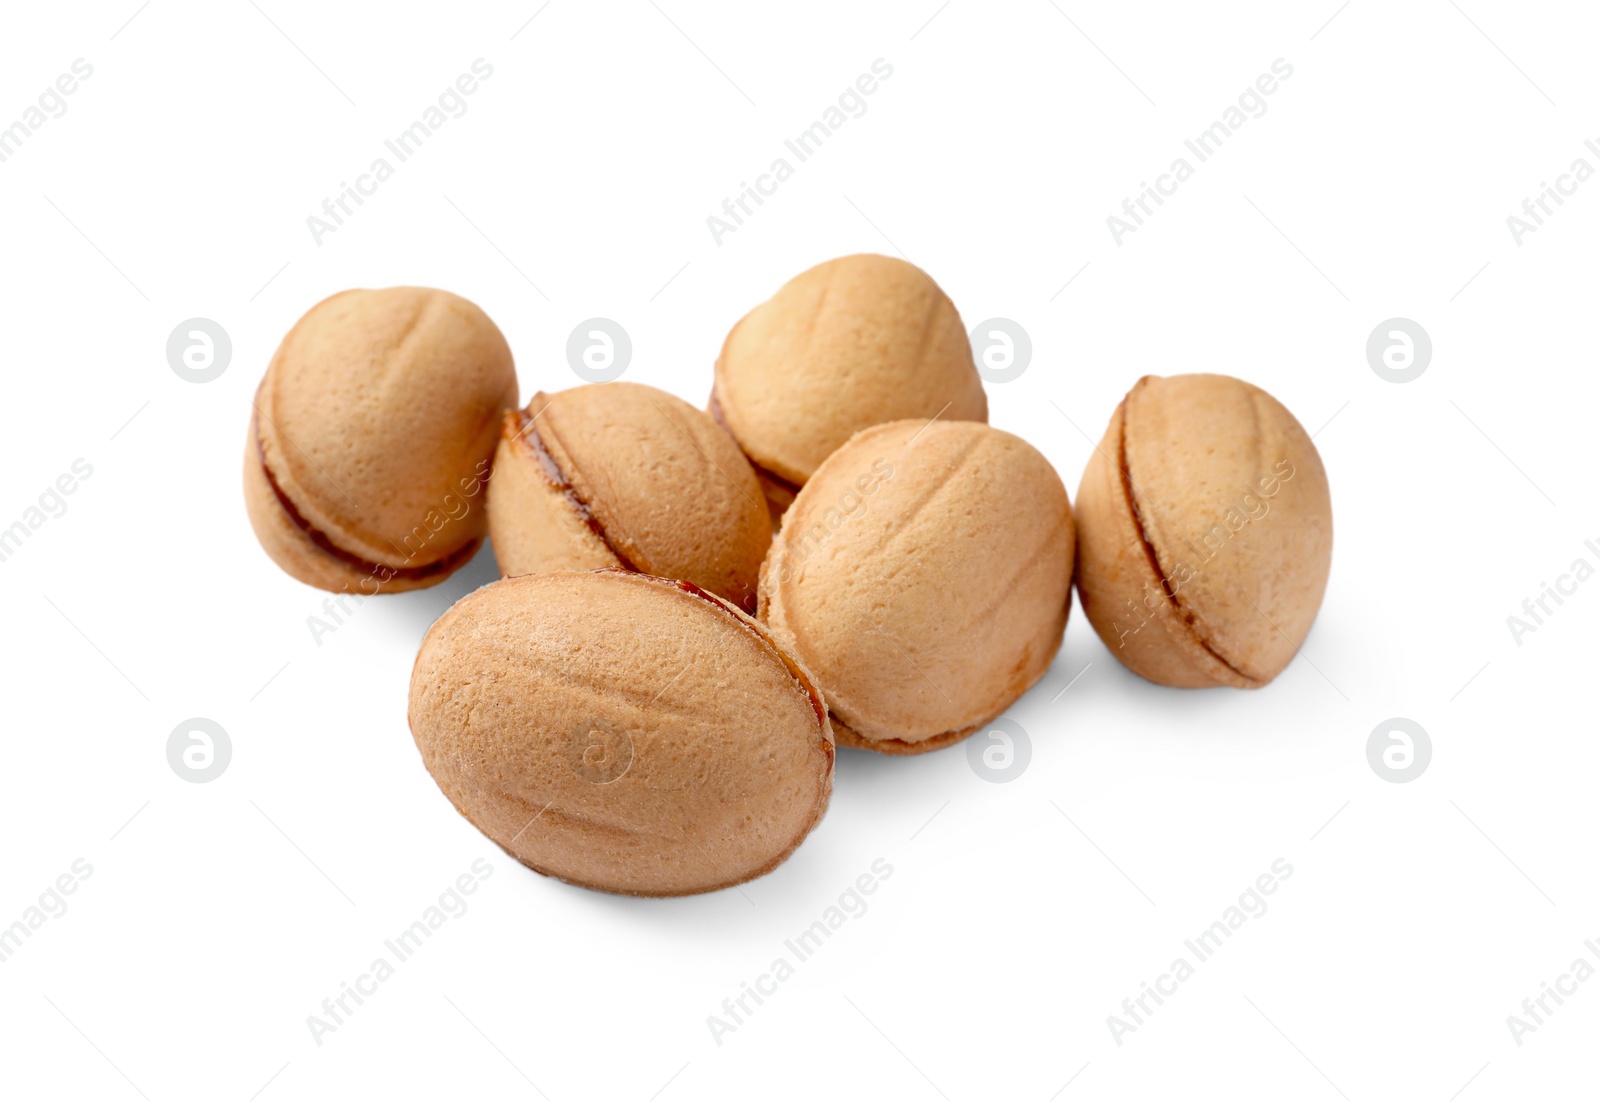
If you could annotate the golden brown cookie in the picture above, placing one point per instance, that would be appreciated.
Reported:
(924, 575)
(1205, 533)
(621, 474)
(853, 342)
(371, 437)
(622, 732)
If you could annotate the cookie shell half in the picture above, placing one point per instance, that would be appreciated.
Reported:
(853, 342)
(622, 732)
(924, 575)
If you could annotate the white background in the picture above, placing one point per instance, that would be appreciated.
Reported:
(1018, 916)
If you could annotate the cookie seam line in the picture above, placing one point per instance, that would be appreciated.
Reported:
(531, 439)
(832, 715)
(1189, 625)
(715, 410)
(323, 542)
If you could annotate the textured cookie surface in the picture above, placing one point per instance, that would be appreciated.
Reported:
(923, 574)
(373, 431)
(853, 342)
(622, 474)
(1205, 532)
(621, 732)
